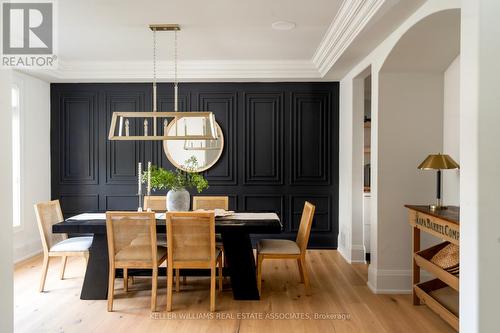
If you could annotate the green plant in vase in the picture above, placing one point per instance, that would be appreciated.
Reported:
(177, 182)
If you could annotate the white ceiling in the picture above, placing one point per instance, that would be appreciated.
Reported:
(220, 40)
(117, 30)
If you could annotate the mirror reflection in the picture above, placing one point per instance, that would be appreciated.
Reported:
(181, 153)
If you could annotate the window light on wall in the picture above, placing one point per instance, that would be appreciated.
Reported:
(16, 157)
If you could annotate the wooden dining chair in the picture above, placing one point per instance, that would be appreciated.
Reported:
(57, 245)
(287, 249)
(210, 202)
(191, 245)
(157, 203)
(122, 229)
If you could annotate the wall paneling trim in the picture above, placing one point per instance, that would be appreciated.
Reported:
(281, 147)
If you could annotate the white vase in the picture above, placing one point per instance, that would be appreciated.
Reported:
(178, 200)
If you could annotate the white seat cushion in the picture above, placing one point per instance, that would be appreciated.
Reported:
(74, 244)
(277, 246)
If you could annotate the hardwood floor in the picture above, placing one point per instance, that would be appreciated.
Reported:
(337, 288)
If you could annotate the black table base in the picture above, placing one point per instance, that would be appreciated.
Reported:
(95, 284)
(241, 262)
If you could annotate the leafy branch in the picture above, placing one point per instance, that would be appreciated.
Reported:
(176, 179)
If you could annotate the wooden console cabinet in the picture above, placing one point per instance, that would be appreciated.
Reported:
(441, 293)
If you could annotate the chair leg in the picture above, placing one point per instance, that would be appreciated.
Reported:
(212, 289)
(301, 271)
(177, 280)
(111, 288)
(304, 275)
(45, 266)
(184, 279)
(170, 276)
(125, 279)
(260, 258)
(219, 260)
(154, 289)
(223, 255)
(64, 259)
(224, 263)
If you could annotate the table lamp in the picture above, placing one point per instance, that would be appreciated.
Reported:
(438, 162)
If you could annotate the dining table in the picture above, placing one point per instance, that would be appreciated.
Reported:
(235, 229)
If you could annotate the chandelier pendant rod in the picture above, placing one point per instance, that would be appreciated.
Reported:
(155, 108)
(176, 90)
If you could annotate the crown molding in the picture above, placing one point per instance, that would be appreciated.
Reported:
(140, 71)
(351, 18)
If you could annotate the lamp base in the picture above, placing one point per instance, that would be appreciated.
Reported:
(439, 203)
(437, 207)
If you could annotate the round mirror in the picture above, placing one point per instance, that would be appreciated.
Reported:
(192, 155)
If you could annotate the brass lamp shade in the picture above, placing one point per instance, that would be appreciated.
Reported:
(438, 162)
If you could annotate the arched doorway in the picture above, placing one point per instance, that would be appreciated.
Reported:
(410, 122)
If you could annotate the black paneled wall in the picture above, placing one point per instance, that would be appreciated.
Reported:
(281, 147)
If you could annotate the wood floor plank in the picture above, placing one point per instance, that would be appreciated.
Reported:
(336, 288)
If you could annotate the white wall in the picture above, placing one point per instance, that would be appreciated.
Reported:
(410, 122)
(480, 165)
(451, 132)
(350, 239)
(358, 99)
(345, 169)
(6, 283)
(35, 160)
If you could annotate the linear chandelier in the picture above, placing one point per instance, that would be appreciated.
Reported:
(122, 119)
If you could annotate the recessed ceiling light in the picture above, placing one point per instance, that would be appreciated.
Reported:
(283, 25)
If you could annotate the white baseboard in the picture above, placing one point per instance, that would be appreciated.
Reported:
(387, 291)
(358, 254)
(344, 253)
(388, 281)
(26, 248)
(354, 255)
(27, 256)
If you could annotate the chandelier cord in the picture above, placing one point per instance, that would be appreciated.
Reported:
(154, 70)
(175, 56)
(154, 56)
(176, 103)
